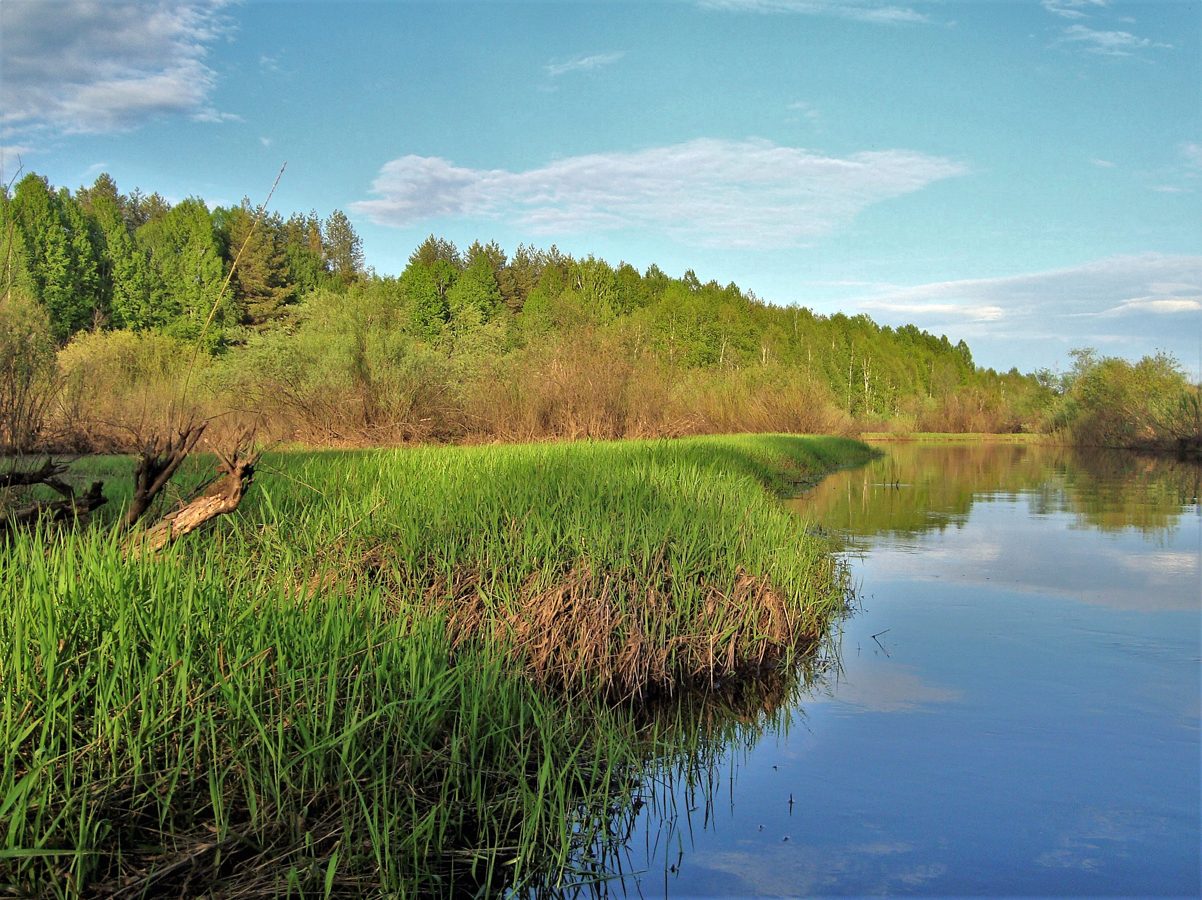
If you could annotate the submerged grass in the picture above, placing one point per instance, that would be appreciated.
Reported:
(397, 673)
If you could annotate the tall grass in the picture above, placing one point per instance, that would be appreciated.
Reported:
(399, 673)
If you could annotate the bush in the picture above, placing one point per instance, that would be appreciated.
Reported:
(1110, 402)
(28, 372)
(116, 383)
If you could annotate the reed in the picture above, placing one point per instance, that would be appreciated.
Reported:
(402, 673)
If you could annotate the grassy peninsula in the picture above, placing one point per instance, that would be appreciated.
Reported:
(401, 672)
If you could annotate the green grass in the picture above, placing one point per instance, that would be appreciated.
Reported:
(400, 673)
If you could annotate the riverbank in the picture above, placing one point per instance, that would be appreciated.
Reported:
(397, 669)
(879, 437)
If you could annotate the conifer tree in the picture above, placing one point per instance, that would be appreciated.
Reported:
(260, 282)
(343, 247)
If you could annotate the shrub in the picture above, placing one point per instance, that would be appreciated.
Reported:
(28, 372)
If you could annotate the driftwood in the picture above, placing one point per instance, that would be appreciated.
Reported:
(223, 496)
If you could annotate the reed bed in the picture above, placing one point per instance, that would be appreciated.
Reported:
(398, 673)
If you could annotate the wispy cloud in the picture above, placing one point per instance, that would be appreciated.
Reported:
(10, 158)
(94, 169)
(708, 192)
(1171, 189)
(1102, 163)
(875, 11)
(583, 63)
(805, 109)
(80, 67)
(1072, 9)
(1109, 43)
(1132, 304)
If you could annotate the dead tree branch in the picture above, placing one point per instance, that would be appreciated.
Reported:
(47, 475)
(158, 460)
(70, 507)
(222, 497)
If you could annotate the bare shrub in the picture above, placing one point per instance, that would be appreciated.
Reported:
(28, 372)
(761, 400)
(559, 389)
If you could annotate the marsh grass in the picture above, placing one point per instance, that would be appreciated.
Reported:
(402, 673)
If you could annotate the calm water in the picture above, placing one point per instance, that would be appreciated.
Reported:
(1016, 710)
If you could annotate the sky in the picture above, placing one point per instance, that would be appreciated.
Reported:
(1024, 175)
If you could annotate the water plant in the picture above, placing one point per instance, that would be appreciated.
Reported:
(348, 688)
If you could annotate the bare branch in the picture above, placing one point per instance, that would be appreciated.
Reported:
(222, 497)
(158, 461)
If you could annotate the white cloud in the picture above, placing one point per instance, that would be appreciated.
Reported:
(709, 192)
(1127, 305)
(967, 311)
(265, 141)
(1071, 9)
(1155, 304)
(583, 63)
(10, 159)
(208, 114)
(1193, 155)
(1109, 43)
(805, 109)
(880, 13)
(83, 67)
(1170, 189)
(1102, 163)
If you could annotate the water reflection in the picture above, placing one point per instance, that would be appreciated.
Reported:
(917, 488)
(1015, 708)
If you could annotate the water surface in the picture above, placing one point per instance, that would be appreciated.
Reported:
(1016, 709)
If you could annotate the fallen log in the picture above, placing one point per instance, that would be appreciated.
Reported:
(222, 497)
(71, 507)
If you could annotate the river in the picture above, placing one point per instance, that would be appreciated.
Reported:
(1015, 704)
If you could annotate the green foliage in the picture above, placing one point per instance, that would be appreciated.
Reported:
(58, 255)
(106, 260)
(187, 273)
(475, 295)
(103, 259)
(304, 251)
(343, 247)
(1110, 402)
(261, 282)
(127, 270)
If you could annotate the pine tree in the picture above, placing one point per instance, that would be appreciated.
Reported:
(343, 247)
(475, 289)
(260, 282)
(302, 245)
(60, 255)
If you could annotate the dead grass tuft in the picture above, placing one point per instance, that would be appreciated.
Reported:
(608, 630)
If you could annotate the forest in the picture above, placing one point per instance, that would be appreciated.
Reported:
(118, 307)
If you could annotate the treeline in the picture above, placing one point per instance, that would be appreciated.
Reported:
(100, 259)
(116, 307)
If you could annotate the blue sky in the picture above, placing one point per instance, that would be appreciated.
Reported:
(1025, 175)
